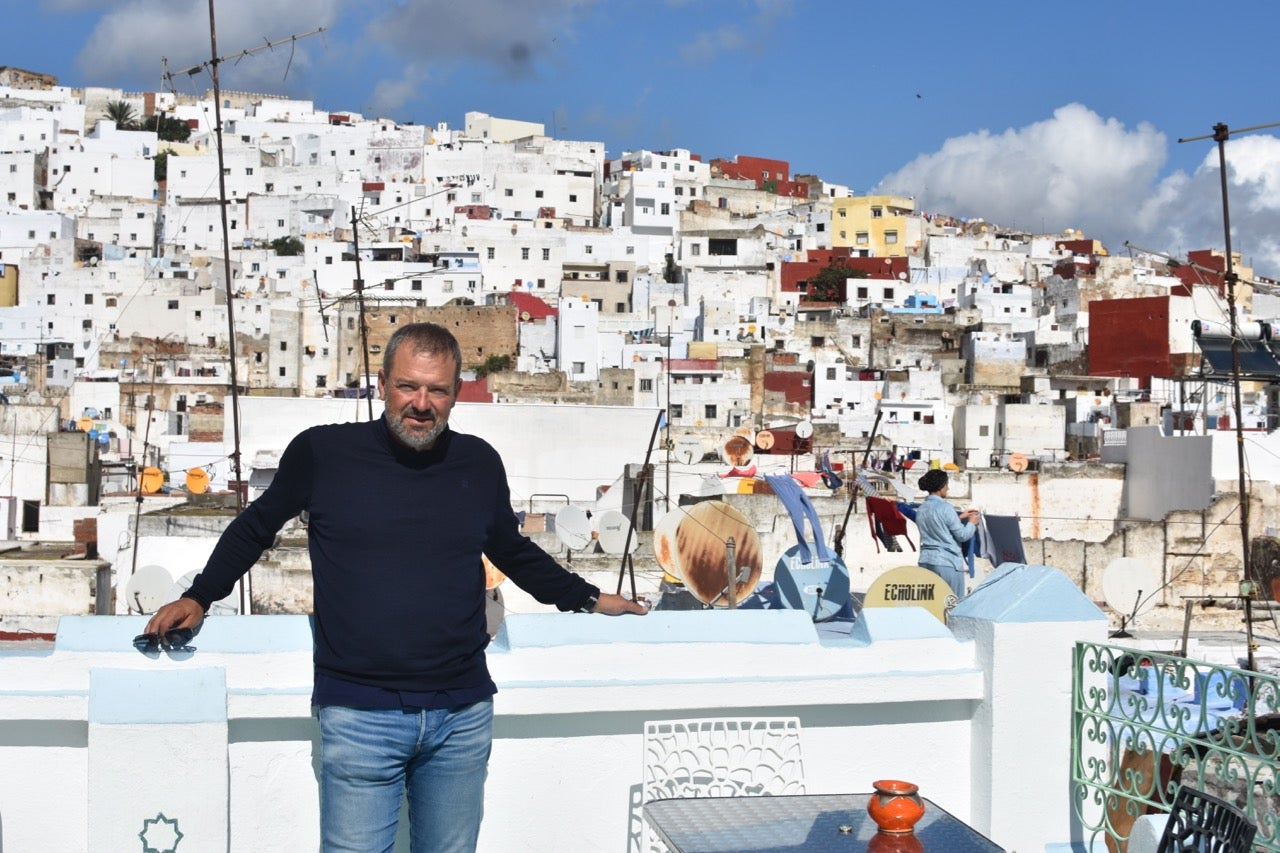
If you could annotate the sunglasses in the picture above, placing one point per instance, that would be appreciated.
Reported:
(174, 638)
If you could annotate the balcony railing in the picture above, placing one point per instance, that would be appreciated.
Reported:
(1144, 724)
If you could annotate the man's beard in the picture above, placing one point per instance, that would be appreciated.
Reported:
(415, 440)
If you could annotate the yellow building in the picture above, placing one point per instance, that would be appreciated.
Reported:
(875, 225)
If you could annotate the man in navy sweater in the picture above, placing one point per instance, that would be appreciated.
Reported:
(400, 510)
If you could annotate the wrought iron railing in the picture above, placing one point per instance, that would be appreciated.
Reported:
(1144, 724)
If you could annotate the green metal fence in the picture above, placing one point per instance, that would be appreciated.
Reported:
(1144, 724)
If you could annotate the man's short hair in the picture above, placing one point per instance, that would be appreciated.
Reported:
(431, 338)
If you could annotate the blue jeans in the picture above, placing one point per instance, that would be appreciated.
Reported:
(369, 760)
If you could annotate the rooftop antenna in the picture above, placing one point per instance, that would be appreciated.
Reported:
(214, 61)
(1221, 133)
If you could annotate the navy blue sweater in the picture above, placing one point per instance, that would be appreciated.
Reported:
(395, 538)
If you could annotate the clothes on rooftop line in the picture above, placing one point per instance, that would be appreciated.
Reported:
(799, 507)
(1000, 539)
(395, 538)
(942, 534)
(885, 520)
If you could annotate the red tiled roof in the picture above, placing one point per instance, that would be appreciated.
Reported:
(527, 302)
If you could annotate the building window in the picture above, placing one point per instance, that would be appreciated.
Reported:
(508, 192)
(890, 237)
(984, 430)
(710, 411)
(49, 299)
(888, 293)
(695, 249)
(489, 253)
(573, 197)
(860, 237)
(524, 253)
(677, 411)
(722, 246)
(877, 212)
(282, 373)
(546, 254)
(587, 249)
(646, 384)
(173, 305)
(284, 346)
(862, 293)
(579, 367)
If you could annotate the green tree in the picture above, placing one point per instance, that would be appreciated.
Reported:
(162, 166)
(829, 283)
(168, 128)
(121, 112)
(493, 364)
(287, 246)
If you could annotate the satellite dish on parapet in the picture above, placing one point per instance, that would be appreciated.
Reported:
(1017, 462)
(573, 527)
(197, 481)
(1130, 587)
(804, 429)
(222, 607)
(152, 480)
(911, 586)
(688, 449)
(701, 541)
(615, 528)
(764, 439)
(150, 587)
(664, 545)
(736, 450)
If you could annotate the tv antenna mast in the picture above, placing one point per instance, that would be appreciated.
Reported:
(1221, 133)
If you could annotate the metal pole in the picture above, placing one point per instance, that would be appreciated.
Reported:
(731, 572)
(226, 271)
(364, 327)
(1220, 134)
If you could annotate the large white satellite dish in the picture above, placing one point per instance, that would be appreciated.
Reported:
(1131, 587)
(804, 429)
(221, 607)
(573, 527)
(614, 531)
(688, 449)
(148, 589)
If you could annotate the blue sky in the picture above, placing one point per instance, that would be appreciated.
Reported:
(1033, 115)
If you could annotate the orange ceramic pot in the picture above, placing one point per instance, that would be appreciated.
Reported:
(895, 806)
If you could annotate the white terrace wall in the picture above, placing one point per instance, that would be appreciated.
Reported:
(97, 740)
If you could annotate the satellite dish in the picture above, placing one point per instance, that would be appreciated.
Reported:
(819, 588)
(700, 542)
(764, 439)
(221, 607)
(197, 481)
(1130, 587)
(91, 412)
(804, 429)
(152, 480)
(911, 586)
(492, 574)
(1017, 463)
(688, 449)
(735, 451)
(573, 527)
(615, 529)
(84, 423)
(664, 545)
(149, 588)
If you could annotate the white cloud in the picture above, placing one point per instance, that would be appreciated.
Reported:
(131, 40)
(1077, 170)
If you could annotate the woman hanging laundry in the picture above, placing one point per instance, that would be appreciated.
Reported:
(943, 531)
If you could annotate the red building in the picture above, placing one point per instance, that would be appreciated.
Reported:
(796, 273)
(771, 175)
(1130, 337)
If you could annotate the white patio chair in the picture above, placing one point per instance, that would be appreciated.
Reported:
(720, 757)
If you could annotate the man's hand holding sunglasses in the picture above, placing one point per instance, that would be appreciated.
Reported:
(182, 615)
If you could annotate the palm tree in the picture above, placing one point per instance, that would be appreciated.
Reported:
(121, 112)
